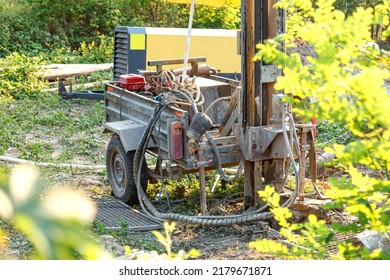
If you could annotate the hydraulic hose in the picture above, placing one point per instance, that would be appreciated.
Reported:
(224, 176)
(290, 152)
(216, 101)
(149, 208)
(152, 212)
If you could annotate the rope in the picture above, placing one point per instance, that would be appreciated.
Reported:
(68, 165)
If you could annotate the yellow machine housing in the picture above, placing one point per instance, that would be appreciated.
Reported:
(135, 46)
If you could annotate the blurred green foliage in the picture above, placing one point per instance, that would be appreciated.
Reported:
(346, 79)
(166, 240)
(55, 221)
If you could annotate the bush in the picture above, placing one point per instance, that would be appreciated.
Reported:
(20, 76)
(34, 26)
(347, 80)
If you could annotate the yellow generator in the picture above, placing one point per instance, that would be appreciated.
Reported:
(135, 46)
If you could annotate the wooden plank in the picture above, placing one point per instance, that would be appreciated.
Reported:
(62, 71)
(227, 128)
(230, 117)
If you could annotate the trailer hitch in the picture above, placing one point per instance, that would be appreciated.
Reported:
(84, 94)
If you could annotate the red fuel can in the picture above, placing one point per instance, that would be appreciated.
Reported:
(132, 82)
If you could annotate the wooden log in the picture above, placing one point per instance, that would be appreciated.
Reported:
(230, 117)
(54, 72)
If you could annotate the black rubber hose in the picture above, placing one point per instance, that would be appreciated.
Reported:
(225, 177)
(151, 211)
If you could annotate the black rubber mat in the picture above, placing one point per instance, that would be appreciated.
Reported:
(114, 214)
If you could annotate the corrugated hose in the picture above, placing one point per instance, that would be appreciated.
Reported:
(152, 212)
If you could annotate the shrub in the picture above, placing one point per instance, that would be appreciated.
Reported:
(347, 80)
(20, 76)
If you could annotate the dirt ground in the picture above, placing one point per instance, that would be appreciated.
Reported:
(224, 243)
(229, 242)
(213, 243)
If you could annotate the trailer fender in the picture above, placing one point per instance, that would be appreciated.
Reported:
(129, 131)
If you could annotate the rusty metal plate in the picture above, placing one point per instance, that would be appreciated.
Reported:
(114, 213)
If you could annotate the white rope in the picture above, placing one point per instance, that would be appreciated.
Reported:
(68, 165)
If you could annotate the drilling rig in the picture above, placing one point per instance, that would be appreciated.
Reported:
(192, 124)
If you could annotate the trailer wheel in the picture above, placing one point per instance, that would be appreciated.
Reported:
(120, 172)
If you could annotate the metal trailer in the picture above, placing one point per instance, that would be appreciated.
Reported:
(127, 116)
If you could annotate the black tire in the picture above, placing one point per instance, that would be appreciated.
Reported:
(120, 172)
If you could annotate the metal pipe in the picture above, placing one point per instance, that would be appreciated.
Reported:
(188, 40)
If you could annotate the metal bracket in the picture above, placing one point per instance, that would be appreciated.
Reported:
(86, 94)
(269, 73)
(254, 141)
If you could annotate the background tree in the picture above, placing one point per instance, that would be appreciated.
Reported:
(35, 25)
(349, 6)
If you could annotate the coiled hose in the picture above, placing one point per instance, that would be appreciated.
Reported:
(167, 81)
(152, 212)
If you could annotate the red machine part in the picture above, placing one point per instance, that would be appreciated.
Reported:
(132, 82)
(177, 140)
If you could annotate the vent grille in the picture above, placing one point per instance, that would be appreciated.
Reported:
(121, 45)
(114, 214)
